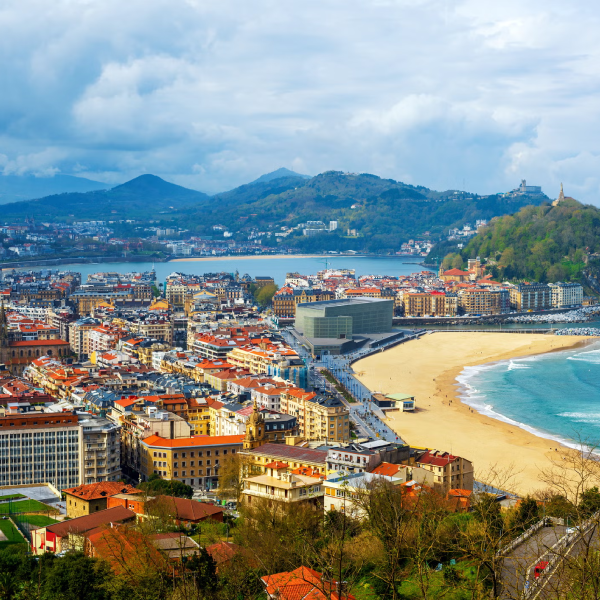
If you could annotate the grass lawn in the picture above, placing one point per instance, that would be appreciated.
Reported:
(36, 520)
(25, 506)
(11, 497)
(10, 531)
(437, 587)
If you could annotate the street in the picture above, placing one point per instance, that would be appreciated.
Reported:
(367, 418)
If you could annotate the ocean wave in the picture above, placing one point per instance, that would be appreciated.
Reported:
(473, 397)
(591, 356)
(513, 365)
(578, 417)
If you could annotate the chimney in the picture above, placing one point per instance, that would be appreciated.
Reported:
(172, 430)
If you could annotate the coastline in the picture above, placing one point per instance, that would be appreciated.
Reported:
(264, 256)
(428, 368)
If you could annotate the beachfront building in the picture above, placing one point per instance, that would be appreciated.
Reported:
(483, 301)
(530, 297)
(320, 416)
(449, 471)
(566, 295)
(431, 304)
(344, 317)
(295, 457)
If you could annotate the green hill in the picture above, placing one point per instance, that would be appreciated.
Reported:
(134, 199)
(383, 212)
(542, 243)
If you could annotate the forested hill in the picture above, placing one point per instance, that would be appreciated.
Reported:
(541, 243)
(383, 212)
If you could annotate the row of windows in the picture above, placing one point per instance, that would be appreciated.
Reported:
(192, 454)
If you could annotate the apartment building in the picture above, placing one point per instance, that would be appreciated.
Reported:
(320, 417)
(101, 449)
(482, 301)
(283, 486)
(295, 457)
(288, 298)
(566, 295)
(530, 297)
(449, 471)
(194, 460)
(432, 304)
(79, 335)
(64, 449)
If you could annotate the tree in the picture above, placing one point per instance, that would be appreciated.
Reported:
(157, 485)
(528, 512)
(232, 471)
(264, 295)
(457, 262)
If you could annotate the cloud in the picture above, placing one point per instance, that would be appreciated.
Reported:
(446, 94)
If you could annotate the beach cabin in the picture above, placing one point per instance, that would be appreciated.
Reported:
(399, 402)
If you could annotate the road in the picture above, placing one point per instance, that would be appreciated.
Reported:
(366, 418)
(520, 562)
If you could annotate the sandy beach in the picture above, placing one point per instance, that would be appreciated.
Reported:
(260, 256)
(427, 368)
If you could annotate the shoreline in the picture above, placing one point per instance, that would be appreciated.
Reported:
(444, 420)
(259, 257)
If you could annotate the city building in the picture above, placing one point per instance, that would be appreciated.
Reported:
(566, 295)
(320, 416)
(530, 297)
(194, 460)
(449, 471)
(87, 499)
(283, 487)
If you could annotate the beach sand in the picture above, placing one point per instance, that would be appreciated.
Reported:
(260, 256)
(427, 368)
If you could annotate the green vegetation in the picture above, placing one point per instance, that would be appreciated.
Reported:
(26, 506)
(11, 532)
(264, 295)
(541, 243)
(35, 520)
(340, 387)
(156, 485)
(11, 497)
(383, 212)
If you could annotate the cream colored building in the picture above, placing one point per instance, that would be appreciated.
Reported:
(319, 417)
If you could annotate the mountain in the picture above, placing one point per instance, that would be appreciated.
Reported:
(383, 212)
(279, 174)
(540, 243)
(145, 196)
(14, 188)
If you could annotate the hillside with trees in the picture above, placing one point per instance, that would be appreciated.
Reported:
(383, 212)
(541, 243)
(373, 214)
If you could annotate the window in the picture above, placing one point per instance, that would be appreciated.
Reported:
(175, 474)
(175, 465)
(183, 464)
(183, 455)
(224, 452)
(199, 463)
(183, 473)
(192, 455)
(175, 455)
(208, 453)
(208, 462)
(216, 453)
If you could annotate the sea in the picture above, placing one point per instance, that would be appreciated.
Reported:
(554, 395)
(273, 266)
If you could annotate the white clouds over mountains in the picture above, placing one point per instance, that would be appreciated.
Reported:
(212, 94)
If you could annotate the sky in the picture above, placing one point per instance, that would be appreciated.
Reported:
(450, 94)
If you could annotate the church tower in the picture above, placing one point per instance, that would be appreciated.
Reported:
(255, 430)
(560, 198)
(4, 346)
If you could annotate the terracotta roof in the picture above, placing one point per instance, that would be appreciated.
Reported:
(291, 453)
(455, 272)
(89, 522)
(215, 440)
(301, 584)
(387, 469)
(189, 510)
(102, 489)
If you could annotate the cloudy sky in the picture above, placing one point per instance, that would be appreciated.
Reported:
(472, 94)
